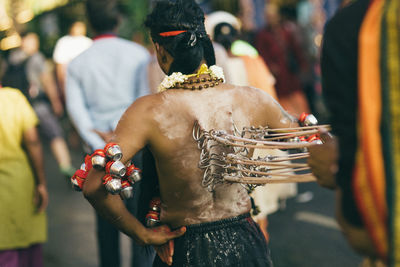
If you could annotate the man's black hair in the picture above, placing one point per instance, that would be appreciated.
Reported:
(103, 15)
(189, 48)
(225, 34)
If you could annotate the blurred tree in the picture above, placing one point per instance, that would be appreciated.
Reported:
(231, 6)
(134, 13)
(53, 24)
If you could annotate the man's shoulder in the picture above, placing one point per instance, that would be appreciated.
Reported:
(145, 105)
(241, 91)
(252, 98)
(149, 100)
(122, 46)
(85, 58)
(81, 58)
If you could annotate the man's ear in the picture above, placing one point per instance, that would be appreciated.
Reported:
(157, 46)
(160, 49)
(161, 52)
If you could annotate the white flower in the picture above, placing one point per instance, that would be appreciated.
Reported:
(217, 72)
(171, 80)
(177, 77)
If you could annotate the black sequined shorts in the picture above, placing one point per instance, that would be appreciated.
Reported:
(236, 241)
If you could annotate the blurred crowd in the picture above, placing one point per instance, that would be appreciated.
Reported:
(80, 93)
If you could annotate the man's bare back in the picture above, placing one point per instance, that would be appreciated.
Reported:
(164, 122)
(170, 117)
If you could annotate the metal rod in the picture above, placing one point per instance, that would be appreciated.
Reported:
(270, 180)
(326, 126)
(278, 173)
(266, 163)
(263, 144)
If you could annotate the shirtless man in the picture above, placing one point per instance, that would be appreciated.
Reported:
(219, 230)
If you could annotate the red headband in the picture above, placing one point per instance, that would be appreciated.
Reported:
(172, 33)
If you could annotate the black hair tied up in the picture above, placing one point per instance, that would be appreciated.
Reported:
(188, 48)
(225, 34)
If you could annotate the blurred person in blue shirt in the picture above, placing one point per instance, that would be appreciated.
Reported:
(101, 83)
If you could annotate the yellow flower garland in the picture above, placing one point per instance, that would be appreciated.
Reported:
(177, 77)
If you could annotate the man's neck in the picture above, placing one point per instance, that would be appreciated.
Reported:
(105, 35)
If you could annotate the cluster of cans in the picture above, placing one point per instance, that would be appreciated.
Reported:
(314, 138)
(153, 216)
(118, 179)
(308, 120)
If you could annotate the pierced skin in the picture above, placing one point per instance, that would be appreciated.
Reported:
(164, 121)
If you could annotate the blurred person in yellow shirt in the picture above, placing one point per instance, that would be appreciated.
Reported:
(23, 190)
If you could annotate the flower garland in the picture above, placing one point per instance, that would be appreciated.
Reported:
(177, 77)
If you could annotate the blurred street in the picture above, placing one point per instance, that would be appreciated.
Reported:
(304, 234)
(71, 224)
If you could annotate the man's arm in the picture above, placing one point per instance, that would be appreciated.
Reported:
(271, 113)
(323, 158)
(61, 70)
(60, 60)
(133, 132)
(49, 85)
(78, 111)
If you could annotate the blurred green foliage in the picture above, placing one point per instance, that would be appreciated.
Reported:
(131, 27)
(133, 15)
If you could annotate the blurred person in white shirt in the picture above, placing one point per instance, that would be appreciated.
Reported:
(67, 48)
